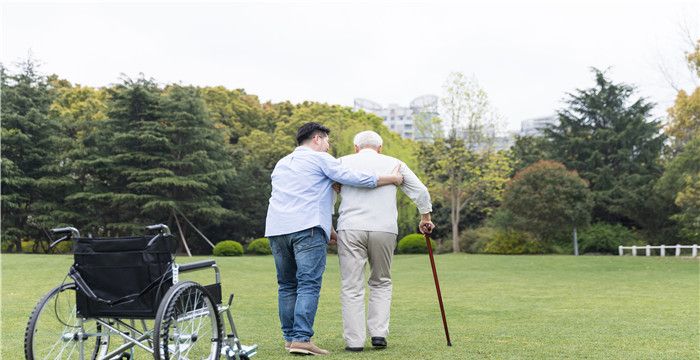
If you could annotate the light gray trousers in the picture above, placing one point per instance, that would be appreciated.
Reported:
(355, 249)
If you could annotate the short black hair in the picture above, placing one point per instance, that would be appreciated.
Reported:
(309, 130)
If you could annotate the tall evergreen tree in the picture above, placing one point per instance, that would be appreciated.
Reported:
(33, 181)
(157, 153)
(198, 165)
(128, 142)
(608, 138)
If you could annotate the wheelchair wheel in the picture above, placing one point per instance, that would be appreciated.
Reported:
(187, 324)
(54, 332)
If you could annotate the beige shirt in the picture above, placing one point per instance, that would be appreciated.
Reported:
(375, 209)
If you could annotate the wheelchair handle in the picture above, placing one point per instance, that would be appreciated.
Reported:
(58, 241)
(164, 230)
(73, 231)
(162, 227)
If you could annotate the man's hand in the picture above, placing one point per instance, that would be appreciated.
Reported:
(397, 173)
(426, 226)
(334, 237)
(337, 187)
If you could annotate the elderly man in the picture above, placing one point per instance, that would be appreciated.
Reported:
(299, 227)
(367, 230)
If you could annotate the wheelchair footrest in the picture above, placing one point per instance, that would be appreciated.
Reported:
(249, 350)
(246, 352)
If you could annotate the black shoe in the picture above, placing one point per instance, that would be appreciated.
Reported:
(354, 349)
(379, 342)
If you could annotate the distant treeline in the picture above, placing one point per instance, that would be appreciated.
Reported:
(111, 160)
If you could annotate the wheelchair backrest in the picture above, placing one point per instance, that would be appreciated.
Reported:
(122, 277)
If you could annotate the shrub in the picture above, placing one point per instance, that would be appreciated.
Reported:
(259, 246)
(415, 244)
(474, 240)
(64, 247)
(514, 242)
(27, 246)
(605, 238)
(444, 248)
(228, 248)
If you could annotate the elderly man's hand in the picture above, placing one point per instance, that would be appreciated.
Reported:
(426, 226)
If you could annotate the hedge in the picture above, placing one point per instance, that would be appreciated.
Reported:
(228, 248)
(415, 244)
(259, 246)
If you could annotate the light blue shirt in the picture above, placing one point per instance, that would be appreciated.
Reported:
(302, 196)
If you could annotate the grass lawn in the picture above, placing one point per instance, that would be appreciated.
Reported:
(498, 307)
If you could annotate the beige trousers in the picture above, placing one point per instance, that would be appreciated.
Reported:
(355, 249)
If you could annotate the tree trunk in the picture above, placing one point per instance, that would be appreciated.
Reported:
(16, 246)
(454, 219)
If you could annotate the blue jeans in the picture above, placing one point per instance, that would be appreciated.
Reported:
(300, 259)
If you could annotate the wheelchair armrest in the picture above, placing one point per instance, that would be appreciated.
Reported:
(204, 264)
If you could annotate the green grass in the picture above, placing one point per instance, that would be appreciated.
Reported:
(498, 307)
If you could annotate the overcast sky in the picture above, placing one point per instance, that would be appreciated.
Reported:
(526, 54)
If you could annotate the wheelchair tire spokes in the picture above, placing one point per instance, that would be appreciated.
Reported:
(54, 330)
(187, 325)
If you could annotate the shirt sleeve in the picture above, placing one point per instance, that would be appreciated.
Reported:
(415, 190)
(336, 171)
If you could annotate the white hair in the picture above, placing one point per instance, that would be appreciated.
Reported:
(368, 138)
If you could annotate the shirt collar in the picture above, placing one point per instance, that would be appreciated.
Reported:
(303, 148)
(368, 150)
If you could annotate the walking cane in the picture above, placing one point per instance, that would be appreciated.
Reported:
(437, 288)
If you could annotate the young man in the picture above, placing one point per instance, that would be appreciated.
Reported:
(367, 230)
(299, 227)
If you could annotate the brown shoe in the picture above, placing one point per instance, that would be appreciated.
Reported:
(287, 344)
(306, 348)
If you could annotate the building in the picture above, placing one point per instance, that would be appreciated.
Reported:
(536, 126)
(401, 119)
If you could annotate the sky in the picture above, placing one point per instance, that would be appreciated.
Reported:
(527, 55)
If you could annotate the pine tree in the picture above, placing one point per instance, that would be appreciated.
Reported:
(126, 143)
(609, 139)
(34, 179)
(158, 153)
(197, 167)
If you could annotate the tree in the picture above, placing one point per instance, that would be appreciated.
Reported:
(78, 108)
(158, 152)
(129, 141)
(681, 182)
(681, 178)
(684, 115)
(608, 138)
(33, 175)
(527, 150)
(233, 111)
(462, 169)
(545, 198)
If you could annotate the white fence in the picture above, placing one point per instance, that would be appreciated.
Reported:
(662, 249)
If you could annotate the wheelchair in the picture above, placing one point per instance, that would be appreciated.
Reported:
(126, 299)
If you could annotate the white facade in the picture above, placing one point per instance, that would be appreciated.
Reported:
(401, 119)
(536, 126)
